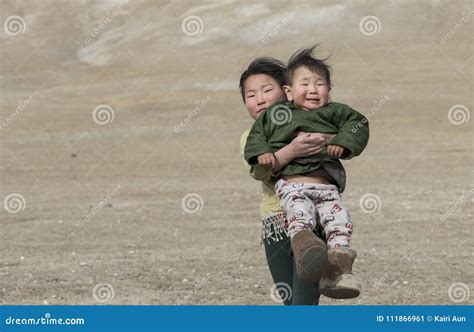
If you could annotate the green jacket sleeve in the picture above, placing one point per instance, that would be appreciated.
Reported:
(257, 142)
(353, 130)
(257, 172)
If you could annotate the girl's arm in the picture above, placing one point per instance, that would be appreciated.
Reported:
(303, 145)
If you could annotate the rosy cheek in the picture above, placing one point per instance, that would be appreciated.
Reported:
(279, 96)
(249, 106)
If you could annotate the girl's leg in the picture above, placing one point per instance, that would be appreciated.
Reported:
(304, 292)
(283, 269)
(282, 266)
(280, 262)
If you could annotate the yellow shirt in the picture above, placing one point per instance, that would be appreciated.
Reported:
(270, 201)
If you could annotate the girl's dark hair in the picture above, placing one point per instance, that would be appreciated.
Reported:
(306, 58)
(264, 65)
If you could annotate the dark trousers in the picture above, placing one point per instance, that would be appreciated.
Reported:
(282, 267)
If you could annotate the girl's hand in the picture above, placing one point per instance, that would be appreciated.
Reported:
(307, 144)
(335, 151)
(303, 145)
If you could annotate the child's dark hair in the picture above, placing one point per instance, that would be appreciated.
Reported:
(264, 65)
(306, 58)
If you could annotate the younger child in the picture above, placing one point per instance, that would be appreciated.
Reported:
(309, 188)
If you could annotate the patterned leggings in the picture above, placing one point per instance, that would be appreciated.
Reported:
(309, 204)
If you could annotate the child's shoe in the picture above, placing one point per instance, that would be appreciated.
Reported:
(311, 255)
(339, 282)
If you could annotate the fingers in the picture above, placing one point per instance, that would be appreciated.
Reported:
(302, 133)
(331, 151)
(335, 151)
(314, 140)
(264, 162)
(267, 160)
(310, 146)
(340, 152)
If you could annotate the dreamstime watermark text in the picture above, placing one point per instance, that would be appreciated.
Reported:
(106, 200)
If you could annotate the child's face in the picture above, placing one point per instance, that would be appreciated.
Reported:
(309, 90)
(261, 91)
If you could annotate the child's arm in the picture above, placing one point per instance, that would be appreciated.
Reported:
(353, 133)
(257, 172)
(257, 141)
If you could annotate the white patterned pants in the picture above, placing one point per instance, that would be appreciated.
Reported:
(306, 204)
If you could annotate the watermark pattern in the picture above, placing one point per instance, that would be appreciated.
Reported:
(97, 31)
(281, 291)
(456, 205)
(370, 203)
(103, 292)
(192, 203)
(280, 26)
(22, 105)
(466, 15)
(281, 114)
(458, 114)
(14, 203)
(14, 25)
(107, 198)
(103, 114)
(192, 25)
(458, 292)
(22, 284)
(199, 107)
(378, 283)
(378, 105)
(197, 286)
(370, 25)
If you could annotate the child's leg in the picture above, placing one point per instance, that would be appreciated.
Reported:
(299, 209)
(309, 251)
(340, 283)
(334, 217)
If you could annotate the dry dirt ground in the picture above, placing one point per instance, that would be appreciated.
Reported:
(146, 201)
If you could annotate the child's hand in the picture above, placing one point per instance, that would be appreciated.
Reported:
(267, 160)
(336, 151)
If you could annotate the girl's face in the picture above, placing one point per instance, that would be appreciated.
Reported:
(261, 91)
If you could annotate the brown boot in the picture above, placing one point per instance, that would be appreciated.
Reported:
(311, 256)
(339, 282)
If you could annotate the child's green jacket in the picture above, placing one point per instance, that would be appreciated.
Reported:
(277, 126)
